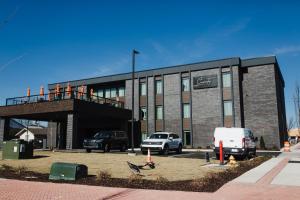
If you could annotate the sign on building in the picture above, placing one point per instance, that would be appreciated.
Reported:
(209, 81)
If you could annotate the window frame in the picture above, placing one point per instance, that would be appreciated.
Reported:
(183, 79)
(228, 83)
(184, 116)
(230, 109)
(156, 112)
(156, 88)
(143, 85)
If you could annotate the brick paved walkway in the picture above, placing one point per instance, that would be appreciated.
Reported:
(261, 188)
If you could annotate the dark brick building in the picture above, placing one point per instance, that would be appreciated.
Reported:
(193, 99)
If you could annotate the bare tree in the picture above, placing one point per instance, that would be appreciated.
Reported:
(296, 98)
(291, 124)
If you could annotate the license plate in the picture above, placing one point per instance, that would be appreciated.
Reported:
(234, 150)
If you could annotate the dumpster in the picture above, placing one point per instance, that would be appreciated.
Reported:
(67, 171)
(17, 149)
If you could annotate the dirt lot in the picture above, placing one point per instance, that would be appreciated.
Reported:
(168, 167)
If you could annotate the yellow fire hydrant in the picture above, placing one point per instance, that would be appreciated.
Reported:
(232, 161)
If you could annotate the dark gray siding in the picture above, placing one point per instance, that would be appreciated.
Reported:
(151, 106)
(260, 103)
(172, 103)
(206, 111)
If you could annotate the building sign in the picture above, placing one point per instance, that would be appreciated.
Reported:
(209, 81)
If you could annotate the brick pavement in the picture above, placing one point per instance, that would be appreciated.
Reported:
(261, 189)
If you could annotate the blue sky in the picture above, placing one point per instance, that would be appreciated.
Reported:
(43, 42)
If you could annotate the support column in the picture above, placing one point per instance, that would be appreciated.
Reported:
(52, 135)
(72, 129)
(4, 128)
(2, 125)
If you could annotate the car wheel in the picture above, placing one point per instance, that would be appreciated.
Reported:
(166, 150)
(88, 150)
(217, 156)
(106, 148)
(179, 150)
(123, 148)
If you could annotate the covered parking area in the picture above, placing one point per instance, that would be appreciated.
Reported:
(69, 120)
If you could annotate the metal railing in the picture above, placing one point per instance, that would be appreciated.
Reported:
(63, 96)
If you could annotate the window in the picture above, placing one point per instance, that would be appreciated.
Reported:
(158, 86)
(226, 77)
(227, 108)
(113, 92)
(143, 90)
(186, 84)
(143, 113)
(187, 138)
(121, 92)
(100, 93)
(144, 135)
(186, 111)
(159, 112)
(107, 93)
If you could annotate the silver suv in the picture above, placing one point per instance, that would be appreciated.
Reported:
(162, 142)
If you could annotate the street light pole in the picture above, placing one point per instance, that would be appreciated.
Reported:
(134, 52)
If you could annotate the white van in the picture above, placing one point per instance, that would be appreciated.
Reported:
(236, 141)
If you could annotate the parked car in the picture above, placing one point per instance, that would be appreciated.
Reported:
(107, 140)
(162, 142)
(236, 141)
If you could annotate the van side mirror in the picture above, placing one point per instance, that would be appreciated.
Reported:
(255, 139)
(148, 137)
(171, 138)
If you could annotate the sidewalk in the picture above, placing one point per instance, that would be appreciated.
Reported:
(274, 179)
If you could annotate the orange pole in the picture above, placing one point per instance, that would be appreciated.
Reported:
(69, 89)
(57, 89)
(221, 152)
(42, 91)
(28, 92)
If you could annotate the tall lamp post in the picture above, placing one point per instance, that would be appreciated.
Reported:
(134, 52)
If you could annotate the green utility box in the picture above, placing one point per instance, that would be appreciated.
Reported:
(67, 171)
(17, 149)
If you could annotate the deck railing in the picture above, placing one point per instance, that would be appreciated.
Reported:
(63, 96)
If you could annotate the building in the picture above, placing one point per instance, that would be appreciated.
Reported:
(192, 99)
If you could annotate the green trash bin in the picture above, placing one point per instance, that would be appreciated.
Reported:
(67, 171)
(17, 149)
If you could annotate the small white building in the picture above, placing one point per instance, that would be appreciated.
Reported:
(33, 133)
(25, 134)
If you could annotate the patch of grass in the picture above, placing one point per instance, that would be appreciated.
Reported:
(161, 180)
(135, 178)
(22, 169)
(103, 175)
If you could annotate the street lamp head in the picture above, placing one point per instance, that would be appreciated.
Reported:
(135, 51)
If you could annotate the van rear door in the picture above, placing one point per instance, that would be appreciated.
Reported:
(231, 137)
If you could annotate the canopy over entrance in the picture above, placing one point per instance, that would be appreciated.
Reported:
(70, 118)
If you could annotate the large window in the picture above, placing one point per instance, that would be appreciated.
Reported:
(227, 108)
(121, 92)
(159, 112)
(113, 92)
(186, 111)
(226, 77)
(100, 93)
(158, 86)
(143, 113)
(107, 93)
(185, 84)
(143, 89)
